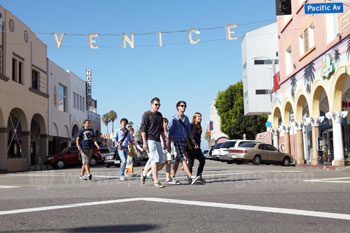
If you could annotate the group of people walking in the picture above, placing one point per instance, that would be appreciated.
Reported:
(162, 140)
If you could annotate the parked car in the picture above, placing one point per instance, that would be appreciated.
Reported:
(205, 153)
(216, 152)
(235, 143)
(224, 149)
(114, 159)
(210, 152)
(70, 156)
(257, 153)
(105, 151)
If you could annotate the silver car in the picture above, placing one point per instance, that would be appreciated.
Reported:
(257, 153)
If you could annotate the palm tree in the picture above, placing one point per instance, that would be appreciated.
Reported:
(294, 85)
(348, 48)
(106, 120)
(131, 124)
(112, 116)
(309, 76)
(336, 56)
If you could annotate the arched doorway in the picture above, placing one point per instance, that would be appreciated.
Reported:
(289, 129)
(17, 128)
(304, 137)
(322, 130)
(276, 125)
(75, 131)
(38, 139)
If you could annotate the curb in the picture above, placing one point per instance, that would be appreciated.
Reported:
(320, 166)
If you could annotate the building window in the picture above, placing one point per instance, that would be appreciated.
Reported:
(331, 27)
(1, 73)
(17, 70)
(35, 80)
(306, 40)
(14, 69)
(62, 99)
(83, 104)
(289, 60)
(20, 71)
(265, 62)
(74, 99)
(262, 92)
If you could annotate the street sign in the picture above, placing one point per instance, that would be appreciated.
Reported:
(323, 8)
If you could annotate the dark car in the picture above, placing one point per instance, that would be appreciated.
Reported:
(70, 156)
(114, 159)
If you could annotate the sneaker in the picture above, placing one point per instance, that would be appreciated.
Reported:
(126, 175)
(189, 179)
(195, 180)
(142, 178)
(173, 181)
(122, 178)
(158, 185)
(82, 177)
(90, 177)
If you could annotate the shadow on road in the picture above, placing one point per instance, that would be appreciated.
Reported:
(115, 228)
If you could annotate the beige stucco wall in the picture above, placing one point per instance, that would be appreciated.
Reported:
(14, 95)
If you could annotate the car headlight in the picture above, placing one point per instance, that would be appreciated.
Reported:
(50, 158)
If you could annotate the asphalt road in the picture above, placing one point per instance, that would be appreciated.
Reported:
(236, 198)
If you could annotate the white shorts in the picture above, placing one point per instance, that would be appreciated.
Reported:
(167, 155)
(155, 152)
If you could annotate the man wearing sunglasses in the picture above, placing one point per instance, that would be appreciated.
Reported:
(180, 133)
(152, 129)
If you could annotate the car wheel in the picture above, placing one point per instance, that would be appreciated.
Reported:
(108, 165)
(286, 161)
(229, 162)
(239, 162)
(60, 164)
(257, 160)
(93, 161)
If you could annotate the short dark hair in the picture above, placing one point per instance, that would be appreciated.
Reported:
(180, 102)
(124, 119)
(165, 119)
(155, 99)
(86, 121)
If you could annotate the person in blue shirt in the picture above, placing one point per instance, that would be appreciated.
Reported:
(180, 133)
(85, 142)
(122, 139)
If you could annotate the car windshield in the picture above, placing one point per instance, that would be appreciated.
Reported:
(228, 144)
(248, 144)
(65, 150)
(104, 150)
(218, 146)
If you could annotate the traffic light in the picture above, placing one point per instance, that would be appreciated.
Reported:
(283, 7)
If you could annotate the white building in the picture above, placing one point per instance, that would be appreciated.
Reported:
(60, 127)
(78, 111)
(260, 64)
(215, 124)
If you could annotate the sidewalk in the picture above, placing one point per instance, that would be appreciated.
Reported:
(324, 166)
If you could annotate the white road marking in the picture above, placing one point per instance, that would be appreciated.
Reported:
(331, 180)
(8, 187)
(264, 209)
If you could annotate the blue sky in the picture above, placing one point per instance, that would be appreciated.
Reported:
(125, 80)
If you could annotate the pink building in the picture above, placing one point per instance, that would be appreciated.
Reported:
(309, 117)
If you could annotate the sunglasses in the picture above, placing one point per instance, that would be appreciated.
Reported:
(183, 106)
(157, 105)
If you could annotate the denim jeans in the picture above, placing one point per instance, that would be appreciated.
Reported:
(123, 154)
